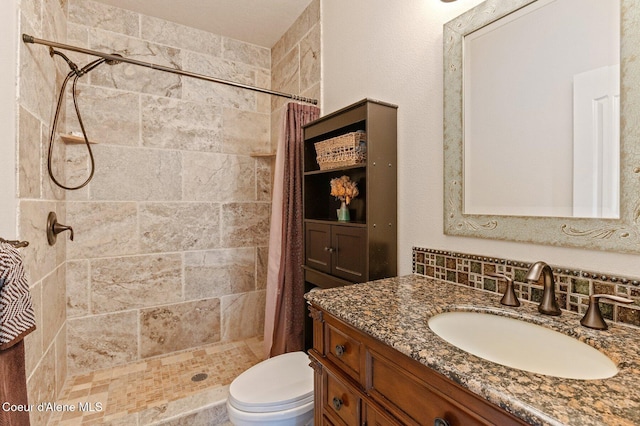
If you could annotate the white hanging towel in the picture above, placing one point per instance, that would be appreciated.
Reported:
(17, 318)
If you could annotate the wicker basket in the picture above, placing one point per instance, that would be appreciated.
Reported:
(345, 150)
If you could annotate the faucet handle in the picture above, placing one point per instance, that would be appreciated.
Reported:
(509, 298)
(593, 318)
(54, 228)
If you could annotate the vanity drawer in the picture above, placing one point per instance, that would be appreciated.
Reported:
(343, 350)
(415, 401)
(340, 402)
(326, 421)
(375, 417)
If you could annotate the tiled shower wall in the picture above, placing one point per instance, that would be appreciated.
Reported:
(573, 287)
(38, 76)
(295, 60)
(171, 234)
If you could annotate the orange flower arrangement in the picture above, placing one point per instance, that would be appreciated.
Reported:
(344, 189)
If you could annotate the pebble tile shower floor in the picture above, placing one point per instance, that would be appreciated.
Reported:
(159, 391)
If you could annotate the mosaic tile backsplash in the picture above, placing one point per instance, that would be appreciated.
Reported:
(573, 287)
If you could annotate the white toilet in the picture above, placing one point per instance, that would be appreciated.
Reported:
(277, 391)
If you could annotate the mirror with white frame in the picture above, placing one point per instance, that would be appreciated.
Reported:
(513, 167)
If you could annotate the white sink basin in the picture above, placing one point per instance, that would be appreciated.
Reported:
(522, 345)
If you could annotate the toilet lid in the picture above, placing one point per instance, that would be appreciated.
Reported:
(278, 383)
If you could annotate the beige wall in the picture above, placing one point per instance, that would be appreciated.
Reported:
(8, 43)
(393, 52)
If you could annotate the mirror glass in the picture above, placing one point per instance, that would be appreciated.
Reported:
(541, 111)
(521, 183)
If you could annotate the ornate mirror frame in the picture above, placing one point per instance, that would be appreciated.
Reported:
(620, 235)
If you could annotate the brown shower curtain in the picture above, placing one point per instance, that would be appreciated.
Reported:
(288, 320)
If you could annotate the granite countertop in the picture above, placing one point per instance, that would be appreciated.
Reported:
(396, 310)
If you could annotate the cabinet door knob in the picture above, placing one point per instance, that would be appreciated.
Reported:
(329, 249)
(340, 350)
(337, 403)
(440, 422)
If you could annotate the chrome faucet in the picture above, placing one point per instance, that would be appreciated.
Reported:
(548, 305)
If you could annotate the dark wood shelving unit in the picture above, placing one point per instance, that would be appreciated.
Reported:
(365, 248)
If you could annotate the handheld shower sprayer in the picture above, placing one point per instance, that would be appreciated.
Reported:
(76, 73)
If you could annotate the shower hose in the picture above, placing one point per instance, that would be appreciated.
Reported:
(76, 73)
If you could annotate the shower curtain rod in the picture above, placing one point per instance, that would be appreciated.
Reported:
(117, 58)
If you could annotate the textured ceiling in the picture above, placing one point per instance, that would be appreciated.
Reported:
(260, 22)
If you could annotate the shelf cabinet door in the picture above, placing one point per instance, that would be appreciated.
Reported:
(349, 253)
(318, 246)
(337, 250)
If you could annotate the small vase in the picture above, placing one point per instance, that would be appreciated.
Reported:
(343, 213)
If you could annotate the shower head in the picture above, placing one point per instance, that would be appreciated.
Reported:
(72, 65)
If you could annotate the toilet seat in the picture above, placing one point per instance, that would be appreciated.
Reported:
(280, 383)
(299, 416)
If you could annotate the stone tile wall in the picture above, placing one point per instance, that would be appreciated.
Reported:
(38, 77)
(170, 248)
(172, 233)
(296, 64)
(573, 287)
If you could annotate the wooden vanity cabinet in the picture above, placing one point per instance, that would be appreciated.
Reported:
(361, 381)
